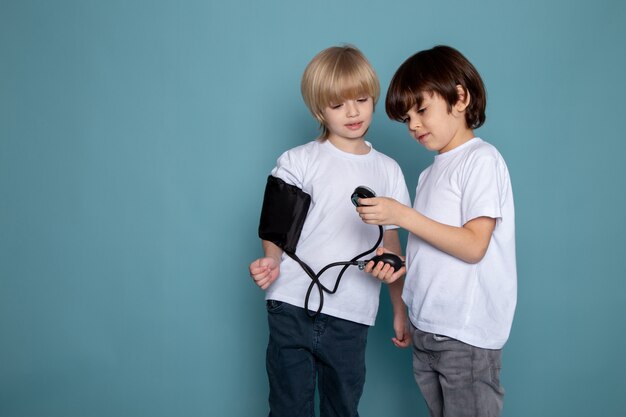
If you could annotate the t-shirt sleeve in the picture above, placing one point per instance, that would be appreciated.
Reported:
(289, 168)
(398, 190)
(482, 188)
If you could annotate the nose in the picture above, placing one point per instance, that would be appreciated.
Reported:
(413, 123)
(352, 109)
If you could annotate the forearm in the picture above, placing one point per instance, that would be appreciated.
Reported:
(467, 243)
(271, 250)
(391, 242)
(395, 295)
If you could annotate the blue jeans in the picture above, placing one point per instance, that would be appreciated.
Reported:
(456, 379)
(302, 349)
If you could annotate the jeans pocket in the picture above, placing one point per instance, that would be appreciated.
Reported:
(440, 338)
(495, 366)
(274, 306)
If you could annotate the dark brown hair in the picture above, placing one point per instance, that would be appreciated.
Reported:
(438, 70)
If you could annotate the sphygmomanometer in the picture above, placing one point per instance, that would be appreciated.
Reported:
(284, 211)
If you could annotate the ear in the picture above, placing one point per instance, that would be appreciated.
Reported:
(464, 98)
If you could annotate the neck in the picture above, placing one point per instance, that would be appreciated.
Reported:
(460, 138)
(353, 146)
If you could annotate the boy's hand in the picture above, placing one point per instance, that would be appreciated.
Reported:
(401, 329)
(264, 271)
(383, 271)
(379, 210)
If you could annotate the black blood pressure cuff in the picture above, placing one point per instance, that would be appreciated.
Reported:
(285, 208)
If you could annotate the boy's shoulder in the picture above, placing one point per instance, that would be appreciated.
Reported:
(297, 159)
(479, 148)
(376, 151)
(304, 148)
(483, 157)
(384, 157)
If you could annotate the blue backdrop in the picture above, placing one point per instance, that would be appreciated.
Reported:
(135, 139)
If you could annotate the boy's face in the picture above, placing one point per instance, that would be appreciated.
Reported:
(435, 126)
(349, 120)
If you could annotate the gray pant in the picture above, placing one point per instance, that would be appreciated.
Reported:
(456, 379)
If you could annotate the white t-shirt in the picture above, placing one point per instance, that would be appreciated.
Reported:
(333, 230)
(473, 303)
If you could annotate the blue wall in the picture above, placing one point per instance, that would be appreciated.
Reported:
(135, 138)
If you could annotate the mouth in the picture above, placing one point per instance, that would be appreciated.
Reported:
(354, 126)
(421, 138)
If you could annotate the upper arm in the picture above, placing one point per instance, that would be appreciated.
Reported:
(481, 228)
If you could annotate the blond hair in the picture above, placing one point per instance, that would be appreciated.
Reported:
(334, 75)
